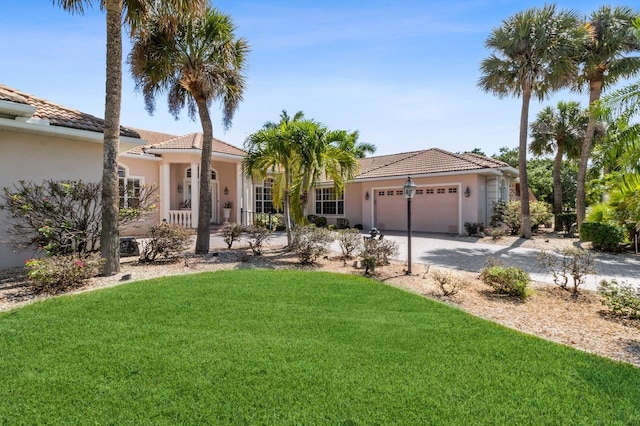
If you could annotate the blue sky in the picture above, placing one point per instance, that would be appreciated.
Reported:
(403, 73)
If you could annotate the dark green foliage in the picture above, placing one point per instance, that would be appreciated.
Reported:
(165, 240)
(603, 236)
(358, 226)
(318, 221)
(622, 299)
(506, 280)
(474, 228)
(566, 220)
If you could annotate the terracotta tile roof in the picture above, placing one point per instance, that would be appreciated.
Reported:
(429, 161)
(59, 115)
(190, 141)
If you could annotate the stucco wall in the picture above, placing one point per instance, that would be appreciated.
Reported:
(148, 170)
(38, 158)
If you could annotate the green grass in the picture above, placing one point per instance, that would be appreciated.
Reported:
(266, 347)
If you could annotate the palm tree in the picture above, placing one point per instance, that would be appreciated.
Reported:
(134, 13)
(611, 37)
(359, 149)
(198, 62)
(559, 132)
(534, 53)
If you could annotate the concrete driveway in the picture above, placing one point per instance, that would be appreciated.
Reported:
(470, 254)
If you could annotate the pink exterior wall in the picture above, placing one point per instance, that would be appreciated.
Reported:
(149, 171)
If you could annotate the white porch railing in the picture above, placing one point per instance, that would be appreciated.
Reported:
(180, 217)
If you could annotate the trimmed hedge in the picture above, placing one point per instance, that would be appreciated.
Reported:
(603, 236)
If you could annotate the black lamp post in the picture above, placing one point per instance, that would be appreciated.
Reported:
(409, 191)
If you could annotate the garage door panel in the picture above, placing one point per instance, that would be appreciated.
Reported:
(434, 209)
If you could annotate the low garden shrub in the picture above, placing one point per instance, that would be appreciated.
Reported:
(567, 264)
(566, 220)
(506, 280)
(448, 284)
(231, 232)
(318, 221)
(310, 243)
(256, 237)
(474, 228)
(350, 241)
(622, 299)
(166, 240)
(509, 214)
(603, 236)
(54, 274)
(376, 252)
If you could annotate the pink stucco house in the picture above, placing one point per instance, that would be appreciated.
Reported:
(42, 140)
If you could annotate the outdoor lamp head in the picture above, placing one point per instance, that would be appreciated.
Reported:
(409, 188)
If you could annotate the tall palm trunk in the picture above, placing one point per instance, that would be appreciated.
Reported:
(595, 90)
(204, 210)
(525, 225)
(109, 238)
(557, 185)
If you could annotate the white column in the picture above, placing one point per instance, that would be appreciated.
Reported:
(165, 191)
(195, 194)
(238, 196)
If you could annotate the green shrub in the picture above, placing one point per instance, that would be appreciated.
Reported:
(622, 299)
(497, 232)
(310, 242)
(350, 241)
(512, 281)
(231, 232)
(568, 263)
(265, 220)
(257, 236)
(57, 273)
(165, 240)
(566, 220)
(474, 228)
(499, 212)
(603, 236)
(512, 217)
(601, 212)
(358, 226)
(318, 221)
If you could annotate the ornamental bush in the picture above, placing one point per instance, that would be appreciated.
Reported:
(62, 217)
(506, 280)
(510, 215)
(569, 263)
(269, 221)
(622, 299)
(603, 236)
(310, 243)
(54, 274)
(231, 232)
(350, 241)
(165, 240)
(376, 252)
(256, 237)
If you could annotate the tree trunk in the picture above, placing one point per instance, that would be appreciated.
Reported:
(204, 212)
(595, 90)
(525, 225)
(557, 186)
(287, 209)
(109, 237)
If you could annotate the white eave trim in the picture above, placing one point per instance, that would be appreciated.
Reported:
(146, 157)
(193, 151)
(16, 109)
(126, 142)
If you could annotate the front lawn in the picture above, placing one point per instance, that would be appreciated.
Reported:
(287, 347)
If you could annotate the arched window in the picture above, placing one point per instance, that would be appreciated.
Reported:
(264, 197)
(129, 188)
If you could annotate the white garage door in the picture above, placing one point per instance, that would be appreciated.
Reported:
(433, 209)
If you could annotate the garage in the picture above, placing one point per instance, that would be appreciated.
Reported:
(434, 209)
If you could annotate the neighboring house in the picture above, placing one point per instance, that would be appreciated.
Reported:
(41, 140)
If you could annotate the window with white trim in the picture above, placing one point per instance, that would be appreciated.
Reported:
(129, 188)
(328, 202)
(264, 197)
